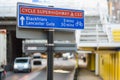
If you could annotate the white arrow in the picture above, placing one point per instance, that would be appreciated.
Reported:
(22, 19)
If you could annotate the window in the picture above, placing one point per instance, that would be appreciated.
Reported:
(21, 60)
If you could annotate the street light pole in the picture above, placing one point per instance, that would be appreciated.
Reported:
(50, 54)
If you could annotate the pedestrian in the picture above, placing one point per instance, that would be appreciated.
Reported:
(4, 70)
(84, 59)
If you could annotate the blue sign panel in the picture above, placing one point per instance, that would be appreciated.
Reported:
(32, 16)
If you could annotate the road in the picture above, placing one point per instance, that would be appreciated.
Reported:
(63, 70)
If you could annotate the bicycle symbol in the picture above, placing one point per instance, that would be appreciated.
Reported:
(79, 23)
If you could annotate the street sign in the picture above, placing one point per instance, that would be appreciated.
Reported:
(65, 47)
(41, 47)
(34, 16)
(34, 47)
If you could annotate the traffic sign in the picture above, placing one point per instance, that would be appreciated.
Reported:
(34, 16)
(41, 47)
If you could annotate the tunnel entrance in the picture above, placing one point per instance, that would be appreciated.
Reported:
(14, 48)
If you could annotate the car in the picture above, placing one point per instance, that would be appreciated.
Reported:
(36, 55)
(36, 62)
(67, 56)
(36, 59)
(22, 64)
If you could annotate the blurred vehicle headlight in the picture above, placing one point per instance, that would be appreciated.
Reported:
(26, 66)
(15, 66)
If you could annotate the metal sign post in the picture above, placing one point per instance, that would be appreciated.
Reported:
(50, 55)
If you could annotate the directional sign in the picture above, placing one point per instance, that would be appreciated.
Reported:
(40, 47)
(22, 20)
(34, 16)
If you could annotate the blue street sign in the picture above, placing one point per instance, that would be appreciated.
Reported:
(35, 0)
(34, 16)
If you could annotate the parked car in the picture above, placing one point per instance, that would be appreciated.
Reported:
(22, 64)
(67, 56)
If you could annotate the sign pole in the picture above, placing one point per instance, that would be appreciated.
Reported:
(50, 54)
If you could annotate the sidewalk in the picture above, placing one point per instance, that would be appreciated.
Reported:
(85, 74)
(82, 64)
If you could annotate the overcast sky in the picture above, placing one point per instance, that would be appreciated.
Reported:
(86, 3)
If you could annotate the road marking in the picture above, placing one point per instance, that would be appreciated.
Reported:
(61, 71)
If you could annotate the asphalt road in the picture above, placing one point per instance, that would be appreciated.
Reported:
(63, 70)
(57, 75)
